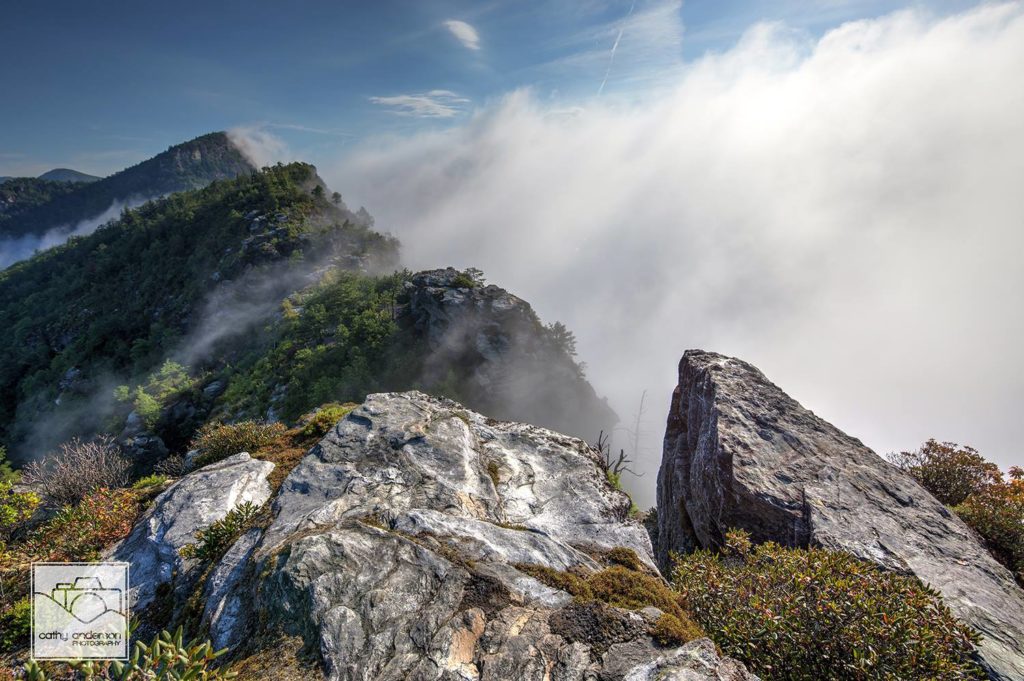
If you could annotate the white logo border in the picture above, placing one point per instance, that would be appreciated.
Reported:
(127, 613)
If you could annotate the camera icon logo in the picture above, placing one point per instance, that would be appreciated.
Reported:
(87, 598)
(80, 611)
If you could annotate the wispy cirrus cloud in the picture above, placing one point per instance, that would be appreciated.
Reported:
(466, 34)
(432, 104)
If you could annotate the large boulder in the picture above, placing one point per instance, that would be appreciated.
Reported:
(393, 549)
(741, 453)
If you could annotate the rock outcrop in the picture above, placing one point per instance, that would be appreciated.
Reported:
(741, 453)
(193, 503)
(392, 554)
(503, 361)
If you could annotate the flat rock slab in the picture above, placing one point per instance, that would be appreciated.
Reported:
(740, 453)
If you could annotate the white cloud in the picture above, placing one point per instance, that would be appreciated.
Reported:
(260, 146)
(465, 33)
(432, 104)
(844, 213)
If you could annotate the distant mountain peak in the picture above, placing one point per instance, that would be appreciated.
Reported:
(68, 175)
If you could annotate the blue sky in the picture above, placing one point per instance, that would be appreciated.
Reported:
(100, 85)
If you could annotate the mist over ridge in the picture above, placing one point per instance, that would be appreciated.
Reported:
(815, 207)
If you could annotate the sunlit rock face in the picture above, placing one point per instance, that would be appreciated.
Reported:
(193, 503)
(393, 546)
(740, 453)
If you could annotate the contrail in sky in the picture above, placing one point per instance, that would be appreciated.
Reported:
(615, 46)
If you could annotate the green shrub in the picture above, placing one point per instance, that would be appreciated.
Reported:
(218, 537)
(80, 532)
(219, 441)
(997, 514)
(154, 480)
(949, 471)
(75, 533)
(614, 479)
(168, 658)
(146, 407)
(15, 623)
(463, 280)
(326, 417)
(15, 509)
(810, 614)
(671, 630)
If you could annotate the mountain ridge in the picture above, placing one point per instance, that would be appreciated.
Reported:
(184, 166)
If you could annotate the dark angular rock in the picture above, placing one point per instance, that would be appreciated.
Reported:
(741, 453)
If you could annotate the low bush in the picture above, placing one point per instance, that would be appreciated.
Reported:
(997, 514)
(149, 481)
(15, 509)
(949, 471)
(79, 533)
(627, 558)
(79, 468)
(810, 614)
(217, 441)
(15, 623)
(626, 588)
(75, 533)
(326, 417)
(217, 538)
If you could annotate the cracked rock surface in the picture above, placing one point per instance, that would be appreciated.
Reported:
(393, 546)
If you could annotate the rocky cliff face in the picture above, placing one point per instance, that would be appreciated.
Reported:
(506, 363)
(392, 548)
(741, 453)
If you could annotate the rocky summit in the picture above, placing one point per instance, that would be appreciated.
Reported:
(740, 453)
(510, 366)
(395, 550)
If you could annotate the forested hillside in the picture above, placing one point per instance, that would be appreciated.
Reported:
(113, 305)
(21, 194)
